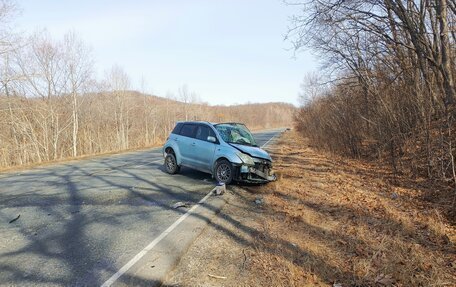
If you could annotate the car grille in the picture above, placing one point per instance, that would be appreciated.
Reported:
(263, 166)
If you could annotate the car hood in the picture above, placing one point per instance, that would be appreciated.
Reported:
(253, 151)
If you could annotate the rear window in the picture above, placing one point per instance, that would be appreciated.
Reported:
(188, 130)
(177, 129)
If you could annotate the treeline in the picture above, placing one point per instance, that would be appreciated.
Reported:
(52, 107)
(43, 129)
(390, 93)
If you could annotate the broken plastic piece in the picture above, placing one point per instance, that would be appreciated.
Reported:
(220, 188)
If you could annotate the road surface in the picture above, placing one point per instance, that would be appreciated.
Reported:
(81, 221)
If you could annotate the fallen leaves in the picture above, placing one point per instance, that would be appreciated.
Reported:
(386, 280)
(330, 222)
(364, 224)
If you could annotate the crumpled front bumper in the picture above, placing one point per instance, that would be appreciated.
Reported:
(261, 172)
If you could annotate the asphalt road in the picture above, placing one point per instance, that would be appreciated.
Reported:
(81, 221)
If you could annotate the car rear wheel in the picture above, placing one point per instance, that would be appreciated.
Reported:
(171, 164)
(224, 171)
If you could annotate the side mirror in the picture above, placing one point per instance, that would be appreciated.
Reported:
(211, 139)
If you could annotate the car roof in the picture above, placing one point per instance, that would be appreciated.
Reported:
(193, 122)
(231, 123)
(205, 122)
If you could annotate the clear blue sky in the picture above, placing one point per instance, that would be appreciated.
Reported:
(227, 51)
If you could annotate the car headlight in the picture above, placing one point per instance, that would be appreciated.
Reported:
(246, 158)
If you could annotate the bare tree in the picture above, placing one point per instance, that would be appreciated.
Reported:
(118, 82)
(41, 65)
(393, 64)
(184, 96)
(78, 65)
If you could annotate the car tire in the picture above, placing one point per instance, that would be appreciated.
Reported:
(224, 171)
(171, 164)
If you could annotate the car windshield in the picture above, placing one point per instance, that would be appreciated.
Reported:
(236, 134)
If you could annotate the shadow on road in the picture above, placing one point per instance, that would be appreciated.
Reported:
(76, 221)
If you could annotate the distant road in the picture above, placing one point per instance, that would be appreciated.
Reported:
(82, 221)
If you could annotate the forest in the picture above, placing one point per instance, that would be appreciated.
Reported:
(387, 88)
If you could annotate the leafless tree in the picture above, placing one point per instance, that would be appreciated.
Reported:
(78, 65)
(118, 82)
(392, 64)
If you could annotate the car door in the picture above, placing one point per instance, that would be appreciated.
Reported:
(203, 149)
(186, 142)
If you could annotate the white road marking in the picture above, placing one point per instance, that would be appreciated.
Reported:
(151, 245)
(266, 143)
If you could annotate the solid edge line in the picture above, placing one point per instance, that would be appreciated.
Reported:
(266, 143)
(151, 245)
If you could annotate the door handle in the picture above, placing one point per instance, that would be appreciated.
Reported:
(193, 144)
(175, 140)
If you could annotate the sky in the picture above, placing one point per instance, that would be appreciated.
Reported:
(226, 51)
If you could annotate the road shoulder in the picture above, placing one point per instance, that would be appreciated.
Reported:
(223, 251)
(326, 222)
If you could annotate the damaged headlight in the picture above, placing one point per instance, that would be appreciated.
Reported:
(246, 158)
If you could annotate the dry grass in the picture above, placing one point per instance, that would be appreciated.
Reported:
(324, 221)
(338, 221)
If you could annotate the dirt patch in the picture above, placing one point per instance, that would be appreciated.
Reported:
(325, 222)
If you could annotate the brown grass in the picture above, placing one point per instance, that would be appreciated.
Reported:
(339, 221)
(326, 220)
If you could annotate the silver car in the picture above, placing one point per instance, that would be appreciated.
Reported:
(227, 151)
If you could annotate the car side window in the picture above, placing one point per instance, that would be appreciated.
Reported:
(188, 131)
(202, 133)
(212, 133)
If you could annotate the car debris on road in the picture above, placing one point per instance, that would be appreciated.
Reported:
(220, 188)
(16, 218)
(180, 204)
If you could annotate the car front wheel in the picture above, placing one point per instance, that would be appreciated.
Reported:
(224, 171)
(171, 164)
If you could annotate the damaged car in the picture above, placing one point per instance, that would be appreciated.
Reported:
(227, 151)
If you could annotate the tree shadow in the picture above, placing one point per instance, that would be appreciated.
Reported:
(80, 250)
(66, 250)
